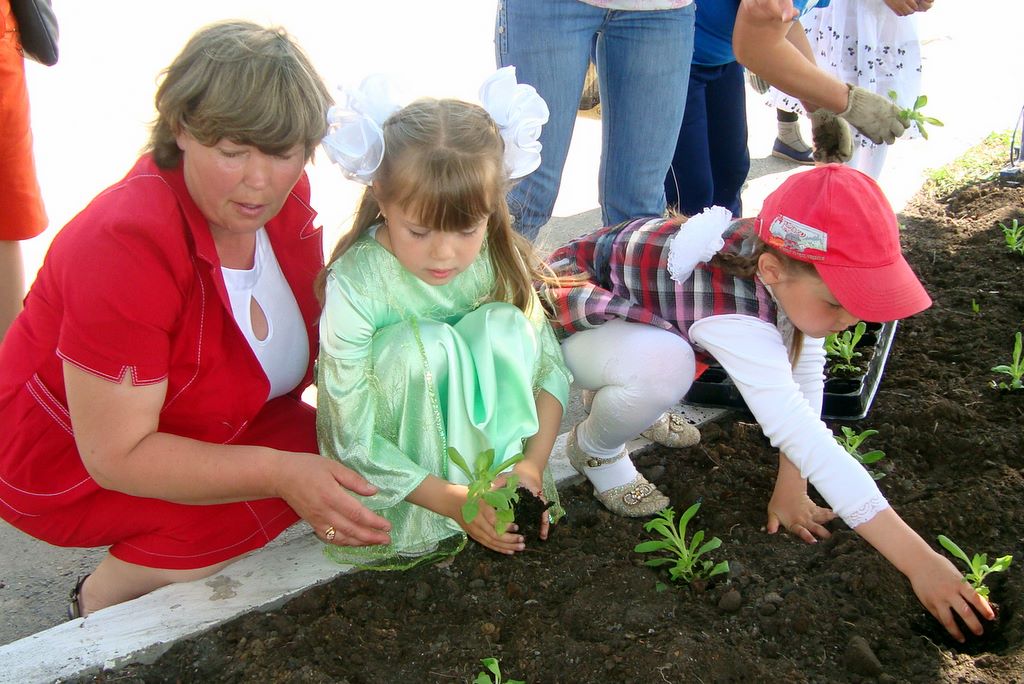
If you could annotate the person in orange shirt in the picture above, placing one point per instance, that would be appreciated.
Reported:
(22, 215)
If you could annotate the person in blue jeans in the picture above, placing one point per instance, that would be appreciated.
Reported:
(643, 52)
(711, 160)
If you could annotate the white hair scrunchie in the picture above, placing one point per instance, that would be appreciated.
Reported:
(355, 137)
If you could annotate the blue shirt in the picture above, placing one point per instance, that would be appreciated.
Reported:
(712, 41)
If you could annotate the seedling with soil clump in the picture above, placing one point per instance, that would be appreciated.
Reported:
(509, 501)
(978, 567)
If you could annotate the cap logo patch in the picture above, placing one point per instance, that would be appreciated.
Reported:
(794, 236)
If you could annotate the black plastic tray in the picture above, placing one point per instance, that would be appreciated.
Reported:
(845, 399)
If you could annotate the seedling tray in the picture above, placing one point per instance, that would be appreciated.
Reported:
(845, 398)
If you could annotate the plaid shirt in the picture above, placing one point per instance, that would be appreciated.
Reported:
(622, 272)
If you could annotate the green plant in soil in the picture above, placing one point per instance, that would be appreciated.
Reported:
(481, 486)
(915, 115)
(975, 307)
(977, 566)
(1015, 369)
(1014, 234)
(493, 674)
(851, 441)
(980, 163)
(841, 347)
(682, 557)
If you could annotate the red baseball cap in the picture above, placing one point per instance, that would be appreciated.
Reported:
(838, 219)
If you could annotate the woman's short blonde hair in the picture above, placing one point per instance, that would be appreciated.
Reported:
(242, 82)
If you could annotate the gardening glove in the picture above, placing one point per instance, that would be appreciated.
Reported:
(877, 117)
(831, 136)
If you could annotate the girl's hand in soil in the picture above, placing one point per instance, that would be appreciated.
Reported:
(937, 583)
(799, 516)
(942, 590)
(531, 477)
(792, 509)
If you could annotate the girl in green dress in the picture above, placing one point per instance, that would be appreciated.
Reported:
(432, 335)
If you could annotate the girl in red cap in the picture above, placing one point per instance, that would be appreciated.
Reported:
(652, 300)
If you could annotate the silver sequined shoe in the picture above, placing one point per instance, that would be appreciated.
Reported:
(635, 499)
(671, 429)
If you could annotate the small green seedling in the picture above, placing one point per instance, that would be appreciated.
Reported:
(975, 307)
(851, 441)
(684, 559)
(493, 674)
(1014, 234)
(481, 486)
(978, 565)
(914, 114)
(842, 346)
(1015, 369)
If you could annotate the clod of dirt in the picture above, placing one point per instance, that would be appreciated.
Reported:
(860, 659)
(528, 510)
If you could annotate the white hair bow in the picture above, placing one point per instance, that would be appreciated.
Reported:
(355, 140)
(520, 113)
(355, 137)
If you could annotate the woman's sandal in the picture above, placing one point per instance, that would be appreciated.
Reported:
(75, 608)
(671, 429)
(635, 499)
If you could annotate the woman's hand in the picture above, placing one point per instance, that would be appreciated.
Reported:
(942, 590)
(902, 8)
(771, 10)
(318, 489)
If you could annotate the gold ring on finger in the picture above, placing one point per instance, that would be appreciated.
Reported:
(330, 533)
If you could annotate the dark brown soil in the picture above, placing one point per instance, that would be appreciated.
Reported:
(582, 607)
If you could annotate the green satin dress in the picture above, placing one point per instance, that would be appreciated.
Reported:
(407, 369)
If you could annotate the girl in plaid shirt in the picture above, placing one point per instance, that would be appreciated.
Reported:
(644, 303)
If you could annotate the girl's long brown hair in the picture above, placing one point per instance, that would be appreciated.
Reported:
(744, 265)
(444, 164)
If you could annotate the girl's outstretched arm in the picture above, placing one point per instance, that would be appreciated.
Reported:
(538, 450)
(938, 584)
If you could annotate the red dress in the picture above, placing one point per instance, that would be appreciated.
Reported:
(133, 285)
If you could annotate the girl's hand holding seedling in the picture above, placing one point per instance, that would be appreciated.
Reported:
(483, 527)
(941, 589)
(450, 500)
(531, 477)
(792, 509)
(936, 582)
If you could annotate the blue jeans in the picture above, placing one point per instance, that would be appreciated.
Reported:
(711, 160)
(643, 66)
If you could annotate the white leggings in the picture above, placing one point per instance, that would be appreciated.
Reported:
(638, 371)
